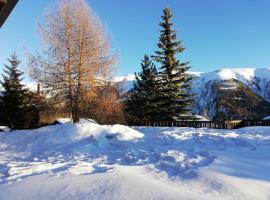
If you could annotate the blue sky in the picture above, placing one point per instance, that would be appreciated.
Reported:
(216, 33)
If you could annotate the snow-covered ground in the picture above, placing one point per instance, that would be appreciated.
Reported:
(90, 161)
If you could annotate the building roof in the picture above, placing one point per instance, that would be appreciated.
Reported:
(6, 6)
(4, 129)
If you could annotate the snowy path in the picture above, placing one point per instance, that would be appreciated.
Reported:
(90, 161)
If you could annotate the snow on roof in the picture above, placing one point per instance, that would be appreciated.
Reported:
(63, 120)
(267, 118)
(83, 120)
(69, 120)
(5, 128)
(201, 118)
(198, 118)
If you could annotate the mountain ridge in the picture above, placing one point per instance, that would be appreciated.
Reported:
(209, 88)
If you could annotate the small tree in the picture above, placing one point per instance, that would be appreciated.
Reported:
(15, 109)
(142, 102)
(174, 85)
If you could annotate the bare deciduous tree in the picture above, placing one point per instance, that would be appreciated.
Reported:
(77, 54)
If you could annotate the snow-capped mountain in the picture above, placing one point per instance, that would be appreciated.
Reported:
(237, 84)
(256, 79)
(230, 93)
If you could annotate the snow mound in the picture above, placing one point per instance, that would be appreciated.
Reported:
(127, 133)
(91, 161)
(66, 135)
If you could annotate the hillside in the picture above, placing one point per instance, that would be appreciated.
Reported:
(233, 93)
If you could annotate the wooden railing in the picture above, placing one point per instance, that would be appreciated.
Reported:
(205, 124)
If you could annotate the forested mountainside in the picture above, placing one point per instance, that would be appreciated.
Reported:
(231, 93)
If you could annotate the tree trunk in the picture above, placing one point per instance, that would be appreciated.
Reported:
(75, 114)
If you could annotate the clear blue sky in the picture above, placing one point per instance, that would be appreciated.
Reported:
(216, 33)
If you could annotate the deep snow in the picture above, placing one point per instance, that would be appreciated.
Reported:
(90, 161)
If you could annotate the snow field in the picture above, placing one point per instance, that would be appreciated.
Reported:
(91, 161)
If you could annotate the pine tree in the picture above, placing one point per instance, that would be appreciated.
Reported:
(174, 84)
(15, 111)
(141, 105)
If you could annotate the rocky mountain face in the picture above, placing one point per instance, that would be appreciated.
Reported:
(240, 93)
(233, 93)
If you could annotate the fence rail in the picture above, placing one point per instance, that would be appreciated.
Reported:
(206, 124)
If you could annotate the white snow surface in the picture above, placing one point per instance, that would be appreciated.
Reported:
(201, 118)
(63, 120)
(91, 161)
(5, 128)
(69, 120)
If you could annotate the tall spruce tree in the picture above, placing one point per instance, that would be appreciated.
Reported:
(141, 104)
(174, 85)
(15, 110)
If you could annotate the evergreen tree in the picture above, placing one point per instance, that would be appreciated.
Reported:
(174, 84)
(141, 105)
(15, 110)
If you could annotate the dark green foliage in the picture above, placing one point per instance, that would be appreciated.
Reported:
(142, 102)
(174, 82)
(16, 111)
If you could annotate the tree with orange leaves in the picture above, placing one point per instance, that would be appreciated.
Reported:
(77, 55)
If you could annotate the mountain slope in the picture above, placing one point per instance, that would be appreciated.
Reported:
(232, 93)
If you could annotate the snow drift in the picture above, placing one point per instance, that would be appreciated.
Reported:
(91, 161)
